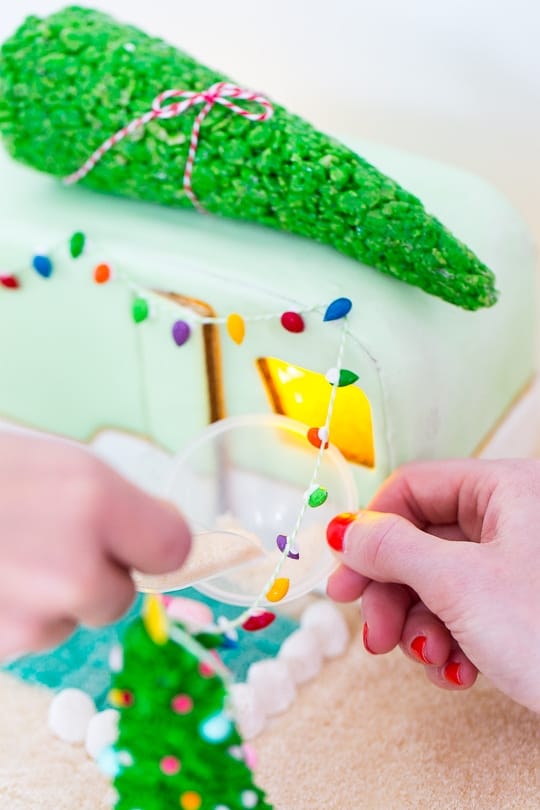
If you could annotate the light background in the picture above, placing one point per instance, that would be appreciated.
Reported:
(456, 80)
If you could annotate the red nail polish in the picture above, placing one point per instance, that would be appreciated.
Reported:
(365, 639)
(418, 647)
(335, 531)
(451, 673)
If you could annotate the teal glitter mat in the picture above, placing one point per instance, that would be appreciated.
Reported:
(81, 661)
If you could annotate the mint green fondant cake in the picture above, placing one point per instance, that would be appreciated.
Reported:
(156, 320)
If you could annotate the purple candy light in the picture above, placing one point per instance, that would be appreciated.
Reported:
(281, 541)
(180, 332)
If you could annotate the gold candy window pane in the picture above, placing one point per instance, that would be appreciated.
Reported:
(303, 395)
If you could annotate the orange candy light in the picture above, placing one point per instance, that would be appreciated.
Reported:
(102, 274)
(190, 800)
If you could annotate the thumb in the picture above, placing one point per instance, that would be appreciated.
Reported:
(143, 532)
(388, 548)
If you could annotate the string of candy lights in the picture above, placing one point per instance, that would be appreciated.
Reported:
(147, 304)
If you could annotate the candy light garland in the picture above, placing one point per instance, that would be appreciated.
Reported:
(199, 759)
(146, 304)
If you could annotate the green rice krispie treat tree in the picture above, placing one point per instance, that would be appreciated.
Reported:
(101, 103)
(178, 746)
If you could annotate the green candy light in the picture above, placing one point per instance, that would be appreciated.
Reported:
(346, 377)
(318, 497)
(76, 244)
(140, 310)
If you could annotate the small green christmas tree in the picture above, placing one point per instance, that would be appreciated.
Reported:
(178, 746)
(71, 80)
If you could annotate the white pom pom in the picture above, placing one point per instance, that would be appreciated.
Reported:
(102, 731)
(303, 655)
(249, 712)
(273, 684)
(70, 713)
(325, 620)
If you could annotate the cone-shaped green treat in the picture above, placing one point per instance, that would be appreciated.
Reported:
(178, 746)
(72, 80)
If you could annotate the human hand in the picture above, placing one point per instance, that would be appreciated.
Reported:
(70, 531)
(452, 575)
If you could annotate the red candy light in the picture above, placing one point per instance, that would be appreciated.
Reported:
(258, 621)
(292, 322)
(314, 438)
(11, 282)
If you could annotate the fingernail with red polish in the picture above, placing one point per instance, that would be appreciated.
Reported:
(452, 673)
(336, 529)
(365, 639)
(418, 647)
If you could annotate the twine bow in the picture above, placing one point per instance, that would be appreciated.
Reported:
(220, 93)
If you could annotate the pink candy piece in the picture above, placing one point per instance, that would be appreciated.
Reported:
(169, 765)
(182, 704)
(189, 611)
(250, 756)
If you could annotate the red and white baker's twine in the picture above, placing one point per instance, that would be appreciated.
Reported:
(219, 93)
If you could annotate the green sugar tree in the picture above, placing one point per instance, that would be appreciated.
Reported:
(178, 746)
(71, 80)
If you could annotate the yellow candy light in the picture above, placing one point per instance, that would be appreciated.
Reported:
(155, 619)
(236, 327)
(278, 590)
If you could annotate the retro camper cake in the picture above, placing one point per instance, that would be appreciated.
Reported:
(122, 314)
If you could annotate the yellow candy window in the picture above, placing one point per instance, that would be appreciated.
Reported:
(303, 395)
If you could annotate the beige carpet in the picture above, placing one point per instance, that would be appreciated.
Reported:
(370, 732)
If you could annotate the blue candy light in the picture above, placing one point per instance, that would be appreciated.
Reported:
(338, 309)
(42, 265)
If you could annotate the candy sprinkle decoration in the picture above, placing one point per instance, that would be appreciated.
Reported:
(184, 762)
